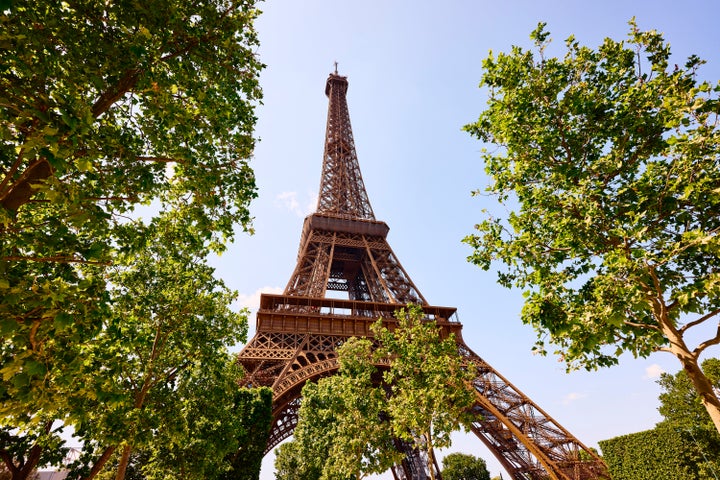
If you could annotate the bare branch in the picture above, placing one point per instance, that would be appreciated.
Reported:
(707, 343)
(698, 321)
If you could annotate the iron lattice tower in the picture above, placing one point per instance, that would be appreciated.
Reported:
(344, 248)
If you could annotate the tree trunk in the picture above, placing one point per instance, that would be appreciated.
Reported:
(704, 388)
(430, 456)
(23, 471)
(124, 460)
(139, 402)
(689, 362)
(100, 463)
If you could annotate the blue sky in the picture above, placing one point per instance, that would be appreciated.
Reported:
(413, 68)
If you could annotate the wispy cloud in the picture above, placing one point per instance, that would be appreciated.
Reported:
(572, 397)
(289, 201)
(653, 371)
(252, 300)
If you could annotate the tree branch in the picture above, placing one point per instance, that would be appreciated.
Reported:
(58, 259)
(707, 343)
(14, 168)
(8, 461)
(109, 97)
(20, 193)
(643, 325)
(100, 463)
(698, 321)
(160, 159)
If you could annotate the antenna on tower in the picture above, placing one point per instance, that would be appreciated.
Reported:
(336, 64)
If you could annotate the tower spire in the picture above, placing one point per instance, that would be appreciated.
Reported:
(342, 190)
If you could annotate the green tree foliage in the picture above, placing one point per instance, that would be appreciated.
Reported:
(157, 369)
(679, 402)
(134, 470)
(156, 375)
(428, 381)
(461, 466)
(343, 423)
(21, 453)
(292, 464)
(219, 437)
(348, 422)
(99, 98)
(104, 107)
(253, 407)
(609, 167)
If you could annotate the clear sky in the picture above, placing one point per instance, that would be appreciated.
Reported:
(413, 68)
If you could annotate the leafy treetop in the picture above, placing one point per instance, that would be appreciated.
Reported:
(608, 164)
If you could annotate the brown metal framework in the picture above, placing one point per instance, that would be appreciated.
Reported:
(344, 249)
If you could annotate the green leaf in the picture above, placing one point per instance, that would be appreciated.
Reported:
(63, 320)
(20, 380)
(7, 327)
(84, 164)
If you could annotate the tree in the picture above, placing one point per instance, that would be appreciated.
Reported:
(685, 444)
(684, 413)
(292, 464)
(159, 364)
(22, 452)
(343, 423)
(428, 382)
(105, 107)
(461, 466)
(221, 436)
(253, 407)
(348, 423)
(608, 163)
(98, 99)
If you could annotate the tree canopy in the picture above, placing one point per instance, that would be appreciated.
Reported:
(410, 384)
(461, 466)
(292, 464)
(430, 397)
(608, 166)
(110, 112)
(104, 108)
(156, 375)
(343, 429)
(170, 321)
(684, 413)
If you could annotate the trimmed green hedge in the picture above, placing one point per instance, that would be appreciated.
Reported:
(663, 453)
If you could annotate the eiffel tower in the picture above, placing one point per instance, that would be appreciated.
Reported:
(343, 248)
